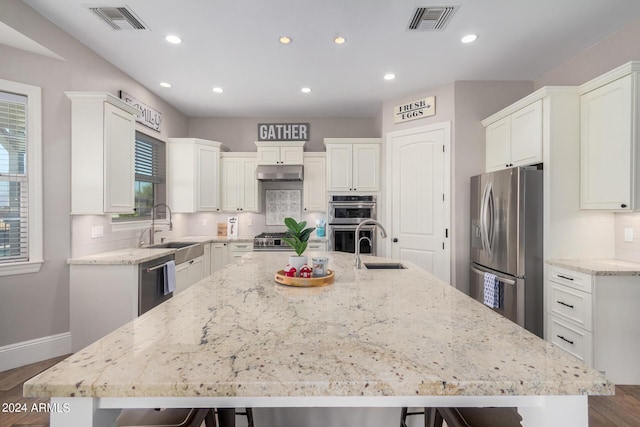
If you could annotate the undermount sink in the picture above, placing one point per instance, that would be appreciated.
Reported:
(185, 251)
(384, 266)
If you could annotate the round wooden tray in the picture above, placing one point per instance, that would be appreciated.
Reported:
(304, 282)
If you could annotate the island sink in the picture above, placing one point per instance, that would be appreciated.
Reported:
(384, 266)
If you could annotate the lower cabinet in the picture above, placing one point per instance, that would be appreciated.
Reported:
(595, 318)
(317, 246)
(219, 256)
(238, 249)
(189, 273)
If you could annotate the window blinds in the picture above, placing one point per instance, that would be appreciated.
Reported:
(14, 183)
(149, 159)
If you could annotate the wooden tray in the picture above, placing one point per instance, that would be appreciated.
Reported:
(304, 282)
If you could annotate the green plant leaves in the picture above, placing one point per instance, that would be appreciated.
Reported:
(298, 234)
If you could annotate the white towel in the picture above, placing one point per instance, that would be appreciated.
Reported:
(169, 277)
(492, 292)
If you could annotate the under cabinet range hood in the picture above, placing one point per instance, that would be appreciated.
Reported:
(279, 173)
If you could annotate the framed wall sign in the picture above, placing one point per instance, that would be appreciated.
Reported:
(283, 131)
(418, 109)
(146, 115)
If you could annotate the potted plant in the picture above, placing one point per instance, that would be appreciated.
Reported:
(298, 236)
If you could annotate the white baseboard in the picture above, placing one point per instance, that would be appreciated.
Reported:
(26, 352)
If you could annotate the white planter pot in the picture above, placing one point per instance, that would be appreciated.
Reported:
(297, 262)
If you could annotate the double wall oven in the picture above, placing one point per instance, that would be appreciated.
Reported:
(345, 213)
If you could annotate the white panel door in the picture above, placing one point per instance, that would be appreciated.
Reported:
(339, 167)
(526, 135)
(119, 146)
(231, 190)
(498, 148)
(418, 208)
(207, 179)
(250, 201)
(366, 167)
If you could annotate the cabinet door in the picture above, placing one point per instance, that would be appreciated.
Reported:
(207, 258)
(230, 184)
(291, 155)
(314, 185)
(219, 256)
(196, 270)
(498, 145)
(339, 167)
(366, 167)
(119, 154)
(207, 178)
(249, 192)
(182, 277)
(268, 155)
(605, 146)
(526, 135)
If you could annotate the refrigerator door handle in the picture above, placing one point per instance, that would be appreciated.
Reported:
(500, 278)
(484, 226)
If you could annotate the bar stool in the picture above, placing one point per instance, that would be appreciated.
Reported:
(466, 417)
(227, 416)
(170, 417)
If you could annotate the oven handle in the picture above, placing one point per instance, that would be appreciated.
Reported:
(352, 205)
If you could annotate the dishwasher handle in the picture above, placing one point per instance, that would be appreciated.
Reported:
(156, 267)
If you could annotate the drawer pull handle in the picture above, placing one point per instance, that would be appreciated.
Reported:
(565, 277)
(565, 304)
(564, 339)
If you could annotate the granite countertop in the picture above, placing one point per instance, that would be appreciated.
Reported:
(371, 333)
(599, 267)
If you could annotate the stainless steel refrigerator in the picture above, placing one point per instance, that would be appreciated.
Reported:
(506, 240)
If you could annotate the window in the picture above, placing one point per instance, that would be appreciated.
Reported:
(150, 183)
(20, 178)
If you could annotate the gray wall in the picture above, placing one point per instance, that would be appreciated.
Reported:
(37, 305)
(240, 134)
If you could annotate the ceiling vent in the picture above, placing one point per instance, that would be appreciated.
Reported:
(118, 18)
(431, 18)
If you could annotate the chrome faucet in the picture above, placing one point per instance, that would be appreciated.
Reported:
(383, 233)
(141, 237)
(153, 221)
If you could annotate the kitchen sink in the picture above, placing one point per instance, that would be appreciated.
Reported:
(384, 266)
(185, 251)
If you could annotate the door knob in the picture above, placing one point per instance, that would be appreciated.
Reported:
(395, 240)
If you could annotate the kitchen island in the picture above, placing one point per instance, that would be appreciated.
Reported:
(374, 338)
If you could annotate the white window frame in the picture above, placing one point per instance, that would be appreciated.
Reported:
(34, 173)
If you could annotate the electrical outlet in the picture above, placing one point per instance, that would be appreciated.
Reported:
(205, 221)
(249, 222)
(628, 234)
(97, 232)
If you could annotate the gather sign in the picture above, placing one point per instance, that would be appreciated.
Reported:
(283, 131)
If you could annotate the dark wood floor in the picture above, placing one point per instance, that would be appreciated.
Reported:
(621, 410)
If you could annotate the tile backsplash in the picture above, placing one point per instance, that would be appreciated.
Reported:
(629, 223)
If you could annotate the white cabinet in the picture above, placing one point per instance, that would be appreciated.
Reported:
(189, 273)
(317, 246)
(595, 318)
(193, 175)
(515, 140)
(314, 185)
(240, 188)
(102, 154)
(219, 256)
(207, 260)
(353, 164)
(280, 152)
(239, 249)
(609, 141)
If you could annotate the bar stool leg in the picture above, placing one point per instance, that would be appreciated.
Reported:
(227, 417)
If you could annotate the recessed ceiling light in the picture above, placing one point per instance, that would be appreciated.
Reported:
(339, 40)
(469, 38)
(173, 39)
(165, 84)
(218, 90)
(389, 76)
(305, 90)
(285, 40)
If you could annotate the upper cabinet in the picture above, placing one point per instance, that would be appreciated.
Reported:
(515, 140)
(102, 154)
(193, 174)
(314, 185)
(353, 164)
(280, 153)
(240, 188)
(609, 145)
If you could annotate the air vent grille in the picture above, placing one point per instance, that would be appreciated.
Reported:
(431, 18)
(118, 18)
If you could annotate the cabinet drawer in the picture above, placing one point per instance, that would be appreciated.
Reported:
(317, 246)
(241, 247)
(573, 279)
(571, 304)
(575, 341)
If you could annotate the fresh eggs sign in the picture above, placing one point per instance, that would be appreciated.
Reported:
(283, 131)
(413, 110)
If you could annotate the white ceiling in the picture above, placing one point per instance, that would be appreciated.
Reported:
(234, 44)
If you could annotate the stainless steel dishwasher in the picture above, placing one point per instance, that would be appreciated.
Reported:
(151, 283)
